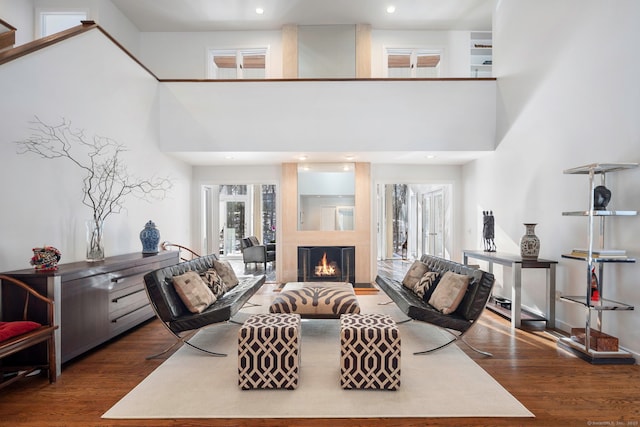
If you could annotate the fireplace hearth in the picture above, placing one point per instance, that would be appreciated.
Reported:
(326, 264)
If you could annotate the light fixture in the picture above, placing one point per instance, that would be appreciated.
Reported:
(431, 156)
(302, 158)
(391, 9)
(259, 10)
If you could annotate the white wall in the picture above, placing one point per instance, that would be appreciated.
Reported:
(184, 55)
(91, 82)
(370, 116)
(117, 25)
(568, 95)
(174, 55)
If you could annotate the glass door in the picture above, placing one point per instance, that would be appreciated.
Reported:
(433, 223)
(234, 203)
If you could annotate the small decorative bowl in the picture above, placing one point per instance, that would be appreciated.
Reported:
(45, 258)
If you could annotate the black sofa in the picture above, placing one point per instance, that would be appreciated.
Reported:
(462, 319)
(174, 314)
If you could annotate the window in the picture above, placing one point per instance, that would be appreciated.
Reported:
(238, 64)
(412, 63)
(51, 22)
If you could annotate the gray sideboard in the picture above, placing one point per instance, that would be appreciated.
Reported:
(94, 301)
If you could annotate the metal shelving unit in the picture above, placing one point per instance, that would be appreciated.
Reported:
(583, 349)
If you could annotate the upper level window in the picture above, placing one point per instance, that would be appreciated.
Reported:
(51, 22)
(412, 63)
(238, 64)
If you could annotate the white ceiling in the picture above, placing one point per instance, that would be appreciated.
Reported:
(211, 15)
(218, 15)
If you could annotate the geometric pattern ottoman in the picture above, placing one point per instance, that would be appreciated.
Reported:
(269, 351)
(369, 352)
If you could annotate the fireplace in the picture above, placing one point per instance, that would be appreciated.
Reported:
(326, 264)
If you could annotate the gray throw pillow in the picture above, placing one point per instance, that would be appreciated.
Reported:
(449, 292)
(416, 271)
(225, 271)
(193, 292)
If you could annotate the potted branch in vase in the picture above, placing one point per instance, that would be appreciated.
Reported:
(106, 182)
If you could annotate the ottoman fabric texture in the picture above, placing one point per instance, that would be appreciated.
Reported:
(369, 352)
(269, 352)
(316, 300)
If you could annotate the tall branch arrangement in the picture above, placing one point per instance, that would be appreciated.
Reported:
(106, 181)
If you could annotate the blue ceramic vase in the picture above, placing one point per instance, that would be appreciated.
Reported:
(150, 237)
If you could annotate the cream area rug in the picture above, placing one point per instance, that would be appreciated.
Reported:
(446, 383)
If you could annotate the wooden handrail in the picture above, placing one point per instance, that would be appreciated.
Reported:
(27, 48)
(7, 38)
(43, 42)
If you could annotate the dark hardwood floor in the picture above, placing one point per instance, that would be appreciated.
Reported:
(560, 389)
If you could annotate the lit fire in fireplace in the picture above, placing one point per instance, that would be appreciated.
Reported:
(324, 268)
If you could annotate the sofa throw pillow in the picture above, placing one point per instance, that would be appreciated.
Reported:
(449, 292)
(214, 282)
(427, 285)
(193, 292)
(225, 271)
(415, 272)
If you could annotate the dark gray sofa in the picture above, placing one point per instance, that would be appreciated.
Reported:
(462, 319)
(174, 314)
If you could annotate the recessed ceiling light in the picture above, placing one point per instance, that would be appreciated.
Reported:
(431, 156)
(302, 158)
(391, 9)
(228, 157)
(259, 10)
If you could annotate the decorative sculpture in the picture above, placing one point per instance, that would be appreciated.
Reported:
(488, 231)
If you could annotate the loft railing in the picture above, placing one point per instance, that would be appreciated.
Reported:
(19, 51)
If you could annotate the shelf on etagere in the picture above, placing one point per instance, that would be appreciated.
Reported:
(600, 258)
(619, 357)
(602, 304)
(600, 168)
(600, 213)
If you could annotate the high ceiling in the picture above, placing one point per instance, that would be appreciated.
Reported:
(224, 15)
(212, 15)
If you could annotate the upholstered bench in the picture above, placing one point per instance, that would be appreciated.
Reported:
(269, 351)
(369, 352)
(325, 300)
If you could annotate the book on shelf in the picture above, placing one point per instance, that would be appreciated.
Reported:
(600, 253)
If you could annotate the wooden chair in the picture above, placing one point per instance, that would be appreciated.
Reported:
(21, 333)
(191, 254)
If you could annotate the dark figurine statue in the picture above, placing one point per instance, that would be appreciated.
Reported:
(488, 231)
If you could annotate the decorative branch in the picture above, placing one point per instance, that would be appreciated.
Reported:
(107, 181)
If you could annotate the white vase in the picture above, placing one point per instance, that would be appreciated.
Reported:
(529, 243)
(95, 240)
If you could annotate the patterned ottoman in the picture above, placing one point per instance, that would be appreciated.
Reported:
(325, 300)
(269, 351)
(369, 352)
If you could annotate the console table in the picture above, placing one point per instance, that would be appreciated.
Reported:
(517, 264)
(93, 301)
